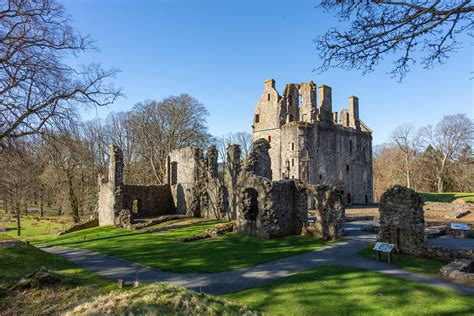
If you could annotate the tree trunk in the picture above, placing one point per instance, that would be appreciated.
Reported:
(41, 205)
(73, 200)
(440, 184)
(407, 169)
(18, 223)
(441, 174)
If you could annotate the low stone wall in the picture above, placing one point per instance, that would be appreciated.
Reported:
(89, 224)
(351, 218)
(447, 254)
(459, 270)
(456, 209)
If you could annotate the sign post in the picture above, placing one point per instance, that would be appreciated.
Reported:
(459, 226)
(384, 247)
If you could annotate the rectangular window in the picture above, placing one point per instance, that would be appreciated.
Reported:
(350, 145)
(257, 118)
(292, 162)
(347, 167)
(269, 138)
(268, 97)
(292, 146)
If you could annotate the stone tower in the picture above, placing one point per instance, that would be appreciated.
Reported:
(310, 142)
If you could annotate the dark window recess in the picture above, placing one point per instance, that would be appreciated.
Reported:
(268, 97)
(292, 162)
(350, 145)
(366, 199)
(257, 118)
(292, 146)
(349, 198)
(320, 177)
(250, 203)
(174, 172)
(290, 119)
(347, 167)
(269, 138)
(289, 99)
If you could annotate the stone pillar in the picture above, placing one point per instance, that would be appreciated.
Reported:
(308, 102)
(212, 165)
(233, 170)
(115, 165)
(402, 220)
(354, 112)
(325, 103)
(259, 161)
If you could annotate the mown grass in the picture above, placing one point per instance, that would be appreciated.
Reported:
(165, 251)
(336, 290)
(32, 227)
(447, 196)
(78, 285)
(415, 264)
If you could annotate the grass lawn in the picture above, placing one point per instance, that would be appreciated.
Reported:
(165, 251)
(79, 284)
(336, 290)
(447, 196)
(31, 227)
(411, 263)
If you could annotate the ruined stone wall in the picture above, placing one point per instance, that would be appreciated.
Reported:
(267, 209)
(326, 202)
(184, 165)
(149, 200)
(198, 191)
(402, 221)
(110, 200)
(259, 162)
(116, 196)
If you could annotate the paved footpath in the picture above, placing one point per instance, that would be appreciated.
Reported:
(341, 253)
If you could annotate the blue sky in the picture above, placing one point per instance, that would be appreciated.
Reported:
(220, 52)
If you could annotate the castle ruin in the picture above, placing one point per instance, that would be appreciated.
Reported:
(303, 161)
(309, 142)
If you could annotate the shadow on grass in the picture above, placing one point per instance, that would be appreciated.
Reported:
(344, 290)
(166, 252)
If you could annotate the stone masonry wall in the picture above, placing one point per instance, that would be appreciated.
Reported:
(328, 205)
(402, 220)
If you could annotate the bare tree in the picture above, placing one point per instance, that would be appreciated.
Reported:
(243, 139)
(409, 141)
(37, 89)
(407, 30)
(160, 127)
(450, 138)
